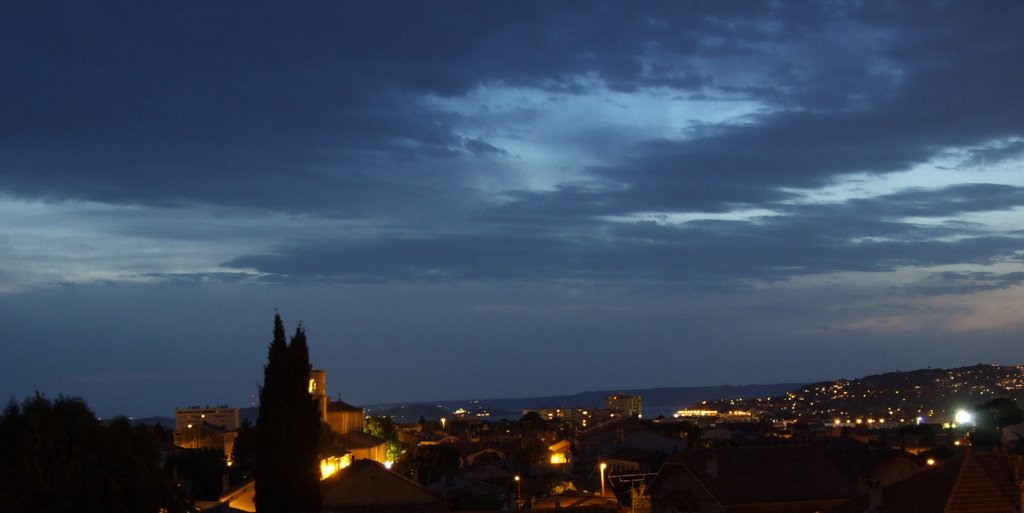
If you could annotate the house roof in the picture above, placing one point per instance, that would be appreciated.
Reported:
(338, 406)
(626, 426)
(467, 449)
(367, 484)
(483, 472)
(635, 454)
(747, 475)
(857, 460)
(464, 486)
(974, 482)
(359, 440)
(576, 501)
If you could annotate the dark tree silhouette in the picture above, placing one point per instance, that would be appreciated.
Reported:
(307, 425)
(990, 417)
(428, 463)
(203, 468)
(287, 429)
(244, 453)
(57, 457)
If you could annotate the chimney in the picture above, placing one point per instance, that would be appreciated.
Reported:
(712, 465)
(874, 496)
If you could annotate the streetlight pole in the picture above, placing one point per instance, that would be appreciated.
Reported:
(602, 467)
(519, 490)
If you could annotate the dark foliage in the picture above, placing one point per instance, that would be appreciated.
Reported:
(428, 463)
(203, 468)
(287, 430)
(385, 429)
(990, 417)
(55, 456)
(243, 453)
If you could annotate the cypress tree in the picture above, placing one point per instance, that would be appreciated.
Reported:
(287, 463)
(307, 422)
(271, 430)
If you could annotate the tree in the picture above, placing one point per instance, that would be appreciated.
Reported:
(55, 456)
(428, 463)
(287, 429)
(203, 468)
(991, 417)
(531, 448)
(307, 426)
(243, 452)
(385, 429)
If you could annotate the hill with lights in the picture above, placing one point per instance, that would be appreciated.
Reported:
(934, 395)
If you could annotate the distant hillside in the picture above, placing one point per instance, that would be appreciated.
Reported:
(656, 401)
(932, 394)
(164, 422)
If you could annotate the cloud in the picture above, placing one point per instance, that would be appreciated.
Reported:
(327, 119)
(819, 239)
(957, 283)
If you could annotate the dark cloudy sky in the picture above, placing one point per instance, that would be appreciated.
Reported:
(494, 199)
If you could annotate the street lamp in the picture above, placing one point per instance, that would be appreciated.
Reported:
(519, 490)
(602, 466)
(197, 435)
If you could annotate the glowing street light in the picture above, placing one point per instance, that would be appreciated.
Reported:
(602, 467)
(197, 435)
(519, 490)
(963, 417)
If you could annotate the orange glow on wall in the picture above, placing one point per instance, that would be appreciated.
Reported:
(330, 466)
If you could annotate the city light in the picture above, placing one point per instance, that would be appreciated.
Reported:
(963, 417)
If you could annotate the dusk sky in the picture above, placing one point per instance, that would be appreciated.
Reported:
(504, 199)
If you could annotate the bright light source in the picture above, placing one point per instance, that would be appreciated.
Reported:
(963, 417)
(931, 461)
(387, 464)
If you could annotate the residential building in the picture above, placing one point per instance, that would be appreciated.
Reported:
(206, 428)
(344, 418)
(972, 482)
(765, 479)
(626, 405)
(366, 485)
(609, 437)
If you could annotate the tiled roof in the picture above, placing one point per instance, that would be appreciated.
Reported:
(342, 406)
(747, 475)
(985, 485)
(367, 484)
(575, 501)
(857, 460)
(626, 426)
(974, 482)
(358, 440)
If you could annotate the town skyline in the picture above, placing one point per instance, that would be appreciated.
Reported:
(516, 199)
